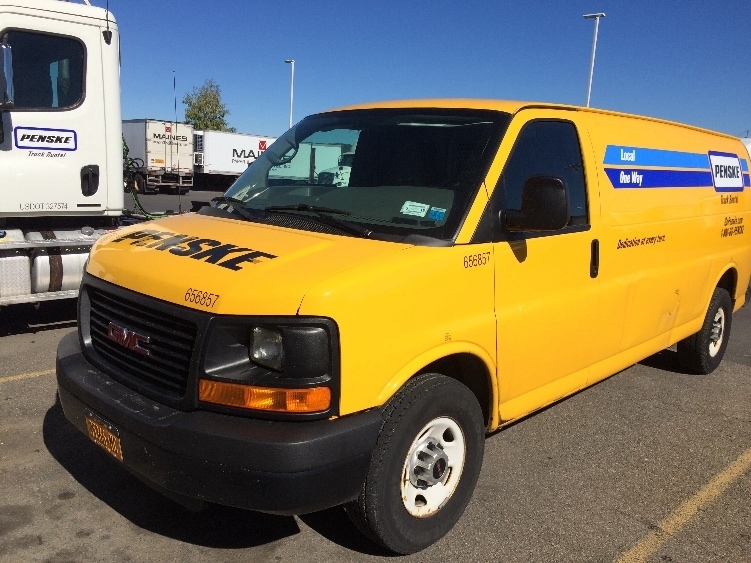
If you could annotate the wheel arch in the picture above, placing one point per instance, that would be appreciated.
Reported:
(470, 371)
(468, 365)
(729, 282)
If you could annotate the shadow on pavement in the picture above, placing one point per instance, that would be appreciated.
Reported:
(334, 525)
(216, 526)
(667, 360)
(36, 317)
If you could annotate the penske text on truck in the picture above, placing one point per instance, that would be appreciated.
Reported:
(305, 343)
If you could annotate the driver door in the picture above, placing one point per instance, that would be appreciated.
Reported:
(547, 289)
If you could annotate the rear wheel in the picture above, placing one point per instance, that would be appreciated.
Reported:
(140, 184)
(702, 352)
(425, 465)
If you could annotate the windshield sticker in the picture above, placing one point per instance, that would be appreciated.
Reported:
(212, 251)
(437, 214)
(414, 208)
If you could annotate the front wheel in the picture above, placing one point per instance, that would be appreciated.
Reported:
(702, 352)
(424, 467)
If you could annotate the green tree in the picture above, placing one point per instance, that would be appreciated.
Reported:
(204, 108)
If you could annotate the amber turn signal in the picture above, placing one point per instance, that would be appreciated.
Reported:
(312, 399)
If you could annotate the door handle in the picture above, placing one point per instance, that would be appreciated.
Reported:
(594, 259)
(89, 179)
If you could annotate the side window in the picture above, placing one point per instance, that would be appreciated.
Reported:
(547, 148)
(48, 70)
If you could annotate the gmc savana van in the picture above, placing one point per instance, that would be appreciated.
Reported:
(302, 344)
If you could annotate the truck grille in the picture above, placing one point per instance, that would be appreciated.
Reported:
(146, 346)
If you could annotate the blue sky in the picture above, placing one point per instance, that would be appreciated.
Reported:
(683, 60)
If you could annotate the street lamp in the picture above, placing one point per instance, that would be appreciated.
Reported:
(596, 17)
(291, 89)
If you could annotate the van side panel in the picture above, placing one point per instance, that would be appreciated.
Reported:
(671, 229)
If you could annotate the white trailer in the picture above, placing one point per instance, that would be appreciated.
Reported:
(165, 148)
(220, 157)
(61, 177)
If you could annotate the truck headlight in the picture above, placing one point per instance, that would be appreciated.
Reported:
(266, 348)
(281, 366)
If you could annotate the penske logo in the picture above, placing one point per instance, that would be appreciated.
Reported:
(212, 251)
(47, 139)
(727, 174)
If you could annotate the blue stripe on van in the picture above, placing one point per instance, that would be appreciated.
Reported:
(747, 180)
(635, 178)
(744, 165)
(639, 156)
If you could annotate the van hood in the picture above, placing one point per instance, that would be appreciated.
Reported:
(226, 265)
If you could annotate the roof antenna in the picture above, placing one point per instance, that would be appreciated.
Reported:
(107, 34)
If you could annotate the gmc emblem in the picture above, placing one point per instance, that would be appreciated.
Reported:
(128, 338)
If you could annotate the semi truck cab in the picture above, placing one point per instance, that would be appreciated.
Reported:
(60, 143)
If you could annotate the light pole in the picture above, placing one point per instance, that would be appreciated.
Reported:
(596, 17)
(291, 89)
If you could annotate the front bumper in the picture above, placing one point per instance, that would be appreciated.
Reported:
(277, 467)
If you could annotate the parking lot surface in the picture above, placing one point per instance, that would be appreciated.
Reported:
(649, 465)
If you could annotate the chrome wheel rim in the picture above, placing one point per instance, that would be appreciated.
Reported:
(433, 467)
(717, 333)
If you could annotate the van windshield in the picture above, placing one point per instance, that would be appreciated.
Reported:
(393, 172)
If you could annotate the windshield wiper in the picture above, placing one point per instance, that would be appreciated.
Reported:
(323, 216)
(236, 204)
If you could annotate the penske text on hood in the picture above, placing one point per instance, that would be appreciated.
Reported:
(245, 267)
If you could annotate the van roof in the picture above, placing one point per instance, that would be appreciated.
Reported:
(510, 106)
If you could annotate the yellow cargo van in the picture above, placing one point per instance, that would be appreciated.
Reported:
(301, 344)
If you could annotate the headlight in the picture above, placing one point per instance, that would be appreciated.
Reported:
(274, 366)
(266, 348)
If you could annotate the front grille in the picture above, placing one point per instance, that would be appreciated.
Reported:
(170, 344)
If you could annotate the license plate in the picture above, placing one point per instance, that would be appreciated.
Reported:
(104, 435)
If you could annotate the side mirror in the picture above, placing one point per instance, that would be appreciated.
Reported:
(545, 206)
(6, 78)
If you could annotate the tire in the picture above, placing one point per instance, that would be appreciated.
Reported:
(702, 352)
(139, 185)
(410, 501)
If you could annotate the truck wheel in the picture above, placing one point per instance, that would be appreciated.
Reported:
(424, 467)
(702, 352)
(140, 184)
